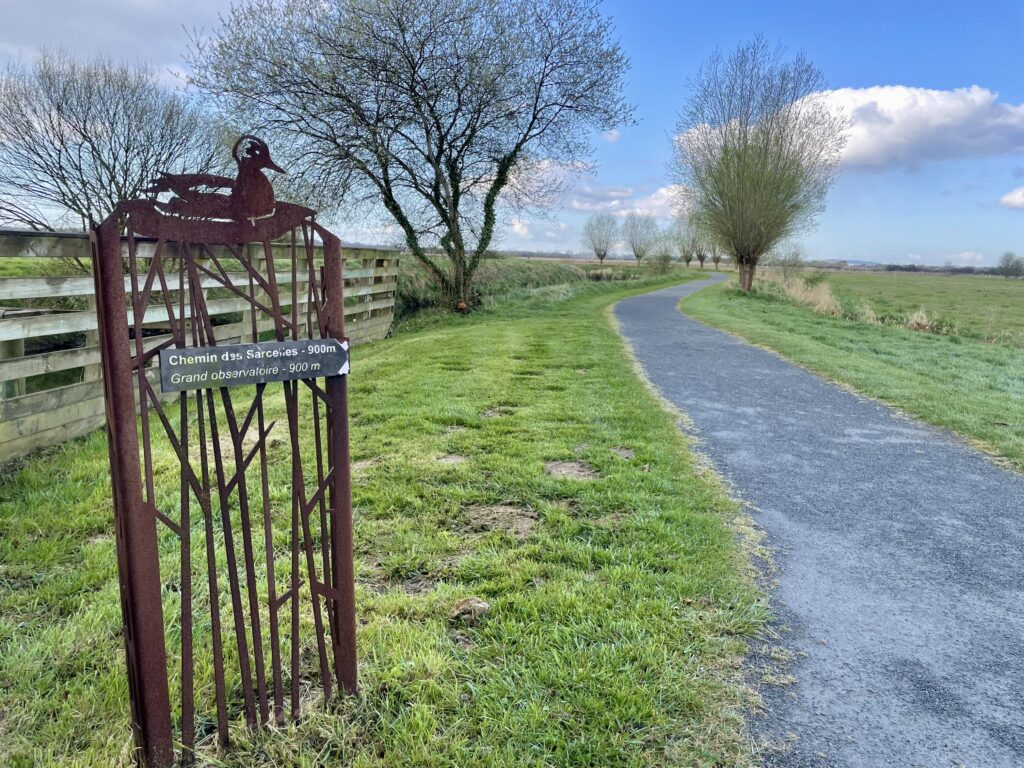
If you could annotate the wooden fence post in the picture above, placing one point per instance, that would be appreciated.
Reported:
(8, 351)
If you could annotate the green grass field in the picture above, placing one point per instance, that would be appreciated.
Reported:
(981, 307)
(969, 386)
(619, 602)
(32, 267)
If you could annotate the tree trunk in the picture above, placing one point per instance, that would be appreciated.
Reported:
(461, 292)
(746, 276)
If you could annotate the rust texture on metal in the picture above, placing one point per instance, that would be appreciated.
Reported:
(249, 567)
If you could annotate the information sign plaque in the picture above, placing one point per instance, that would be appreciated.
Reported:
(238, 364)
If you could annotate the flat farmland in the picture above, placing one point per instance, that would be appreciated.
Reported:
(983, 307)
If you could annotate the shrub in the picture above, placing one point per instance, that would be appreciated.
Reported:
(865, 314)
(661, 263)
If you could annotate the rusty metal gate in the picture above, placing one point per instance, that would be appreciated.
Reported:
(255, 546)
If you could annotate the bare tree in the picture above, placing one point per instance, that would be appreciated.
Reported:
(1010, 265)
(788, 262)
(641, 233)
(701, 248)
(77, 137)
(756, 148)
(599, 234)
(683, 237)
(437, 110)
(716, 256)
(692, 242)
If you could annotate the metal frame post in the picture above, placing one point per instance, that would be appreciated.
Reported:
(343, 633)
(138, 559)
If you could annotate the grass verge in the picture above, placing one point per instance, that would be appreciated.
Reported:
(500, 280)
(512, 456)
(968, 386)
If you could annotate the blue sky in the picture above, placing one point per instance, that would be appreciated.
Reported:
(925, 172)
(939, 170)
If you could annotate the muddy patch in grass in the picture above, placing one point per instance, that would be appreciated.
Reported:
(517, 521)
(609, 521)
(275, 439)
(362, 465)
(452, 458)
(498, 410)
(574, 470)
(464, 641)
(624, 453)
(418, 585)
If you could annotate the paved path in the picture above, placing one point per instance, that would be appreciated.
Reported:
(901, 553)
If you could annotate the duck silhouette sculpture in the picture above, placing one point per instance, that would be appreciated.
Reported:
(251, 196)
(205, 207)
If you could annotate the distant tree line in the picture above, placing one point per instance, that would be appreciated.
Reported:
(1009, 265)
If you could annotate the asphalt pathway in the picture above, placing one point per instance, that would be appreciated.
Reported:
(899, 551)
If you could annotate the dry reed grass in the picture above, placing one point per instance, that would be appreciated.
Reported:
(818, 297)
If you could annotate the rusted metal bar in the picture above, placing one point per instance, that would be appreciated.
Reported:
(343, 633)
(135, 529)
(188, 720)
(206, 505)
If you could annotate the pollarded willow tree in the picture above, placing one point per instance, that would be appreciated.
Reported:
(756, 149)
(641, 233)
(76, 137)
(599, 234)
(437, 110)
(690, 240)
(702, 243)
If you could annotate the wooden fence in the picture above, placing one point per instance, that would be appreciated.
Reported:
(50, 387)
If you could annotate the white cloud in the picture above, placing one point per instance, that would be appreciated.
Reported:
(623, 200)
(132, 30)
(660, 203)
(600, 199)
(964, 258)
(1013, 199)
(901, 126)
(520, 227)
(611, 136)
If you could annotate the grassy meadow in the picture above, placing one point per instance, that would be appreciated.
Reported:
(511, 455)
(976, 306)
(954, 379)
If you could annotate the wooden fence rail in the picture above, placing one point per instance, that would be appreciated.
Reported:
(50, 387)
